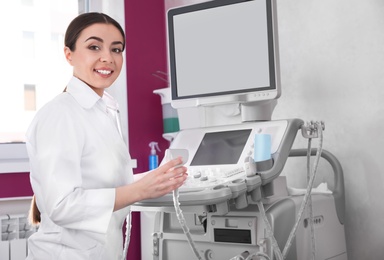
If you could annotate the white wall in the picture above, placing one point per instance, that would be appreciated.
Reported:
(332, 69)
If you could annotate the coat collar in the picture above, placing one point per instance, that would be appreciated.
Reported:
(83, 94)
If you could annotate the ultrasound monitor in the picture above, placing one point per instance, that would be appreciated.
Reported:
(223, 52)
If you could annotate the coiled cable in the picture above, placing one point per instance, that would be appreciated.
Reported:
(310, 206)
(308, 192)
(180, 217)
(250, 256)
(127, 234)
(307, 198)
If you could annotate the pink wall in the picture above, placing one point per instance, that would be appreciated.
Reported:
(15, 185)
(146, 53)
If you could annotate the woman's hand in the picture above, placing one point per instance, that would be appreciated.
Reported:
(163, 179)
(153, 184)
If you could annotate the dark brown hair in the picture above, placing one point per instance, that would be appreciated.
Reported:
(34, 213)
(85, 20)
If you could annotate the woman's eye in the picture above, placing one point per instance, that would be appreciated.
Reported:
(94, 47)
(117, 50)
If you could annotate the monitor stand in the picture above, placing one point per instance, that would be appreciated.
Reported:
(258, 110)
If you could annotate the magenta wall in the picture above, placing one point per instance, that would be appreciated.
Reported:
(146, 53)
(15, 185)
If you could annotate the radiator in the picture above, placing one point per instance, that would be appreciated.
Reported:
(15, 228)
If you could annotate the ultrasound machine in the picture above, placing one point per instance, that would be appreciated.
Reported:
(224, 83)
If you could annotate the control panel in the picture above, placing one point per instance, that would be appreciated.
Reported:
(220, 155)
(223, 162)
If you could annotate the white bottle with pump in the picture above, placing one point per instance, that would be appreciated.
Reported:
(153, 158)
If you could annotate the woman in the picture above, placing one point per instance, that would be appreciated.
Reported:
(80, 166)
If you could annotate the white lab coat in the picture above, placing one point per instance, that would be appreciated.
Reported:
(77, 158)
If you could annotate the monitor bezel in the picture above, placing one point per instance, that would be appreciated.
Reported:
(273, 91)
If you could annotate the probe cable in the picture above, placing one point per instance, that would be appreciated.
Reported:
(249, 257)
(307, 199)
(127, 234)
(310, 205)
(308, 192)
(180, 217)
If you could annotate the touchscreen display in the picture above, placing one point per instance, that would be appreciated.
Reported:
(221, 147)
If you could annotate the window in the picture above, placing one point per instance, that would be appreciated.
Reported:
(32, 64)
(28, 45)
(29, 97)
(35, 70)
(27, 2)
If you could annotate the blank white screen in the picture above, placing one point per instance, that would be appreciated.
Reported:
(222, 49)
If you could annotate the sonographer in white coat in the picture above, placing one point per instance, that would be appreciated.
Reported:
(80, 166)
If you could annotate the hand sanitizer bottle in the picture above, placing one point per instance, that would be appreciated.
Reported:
(153, 158)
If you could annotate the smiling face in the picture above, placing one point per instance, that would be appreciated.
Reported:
(97, 58)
